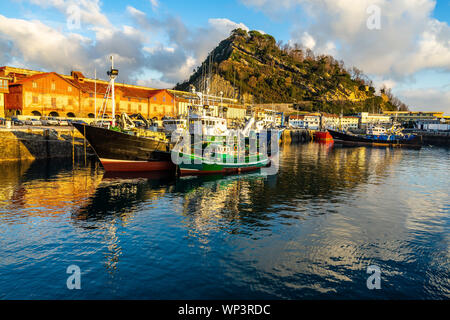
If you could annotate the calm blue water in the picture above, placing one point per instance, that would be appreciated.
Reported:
(309, 232)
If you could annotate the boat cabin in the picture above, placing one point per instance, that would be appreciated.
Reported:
(207, 125)
(173, 124)
(376, 131)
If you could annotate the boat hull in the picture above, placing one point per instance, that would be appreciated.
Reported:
(205, 171)
(122, 152)
(203, 167)
(322, 136)
(358, 140)
(113, 165)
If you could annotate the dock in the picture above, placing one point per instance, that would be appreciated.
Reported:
(296, 136)
(41, 143)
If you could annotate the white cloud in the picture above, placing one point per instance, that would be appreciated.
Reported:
(89, 10)
(308, 41)
(226, 25)
(188, 47)
(36, 45)
(155, 4)
(39, 45)
(410, 39)
(153, 83)
(429, 99)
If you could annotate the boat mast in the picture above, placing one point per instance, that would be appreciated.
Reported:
(95, 94)
(113, 73)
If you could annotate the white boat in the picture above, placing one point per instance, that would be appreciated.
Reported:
(173, 124)
(375, 130)
(207, 125)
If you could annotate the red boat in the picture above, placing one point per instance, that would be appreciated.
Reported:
(322, 136)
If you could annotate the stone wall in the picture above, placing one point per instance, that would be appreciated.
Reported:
(31, 144)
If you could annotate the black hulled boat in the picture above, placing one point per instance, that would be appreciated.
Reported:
(125, 148)
(125, 152)
(377, 140)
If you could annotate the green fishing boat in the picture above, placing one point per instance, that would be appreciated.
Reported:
(221, 161)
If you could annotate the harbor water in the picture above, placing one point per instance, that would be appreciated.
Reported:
(309, 232)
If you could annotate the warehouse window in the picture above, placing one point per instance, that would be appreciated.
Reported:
(35, 99)
(53, 102)
(53, 85)
(69, 89)
(34, 84)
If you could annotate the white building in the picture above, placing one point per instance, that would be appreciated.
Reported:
(366, 118)
(333, 121)
(307, 121)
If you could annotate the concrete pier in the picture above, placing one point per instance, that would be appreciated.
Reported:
(296, 136)
(40, 143)
(436, 138)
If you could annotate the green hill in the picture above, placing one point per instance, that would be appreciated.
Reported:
(252, 67)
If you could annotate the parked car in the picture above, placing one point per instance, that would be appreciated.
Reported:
(2, 121)
(63, 122)
(33, 122)
(52, 121)
(36, 122)
(16, 122)
(77, 121)
(44, 121)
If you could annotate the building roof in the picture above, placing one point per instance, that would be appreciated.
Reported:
(296, 117)
(39, 76)
(413, 112)
(134, 92)
(89, 86)
(31, 78)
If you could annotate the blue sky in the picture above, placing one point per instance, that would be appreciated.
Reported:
(159, 42)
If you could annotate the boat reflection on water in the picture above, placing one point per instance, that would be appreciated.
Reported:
(243, 201)
(310, 171)
(318, 223)
(47, 188)
(120, 194)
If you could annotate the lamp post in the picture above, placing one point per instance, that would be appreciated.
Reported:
(221, 102)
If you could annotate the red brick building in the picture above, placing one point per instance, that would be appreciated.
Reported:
(42, 94)
(4, 90)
